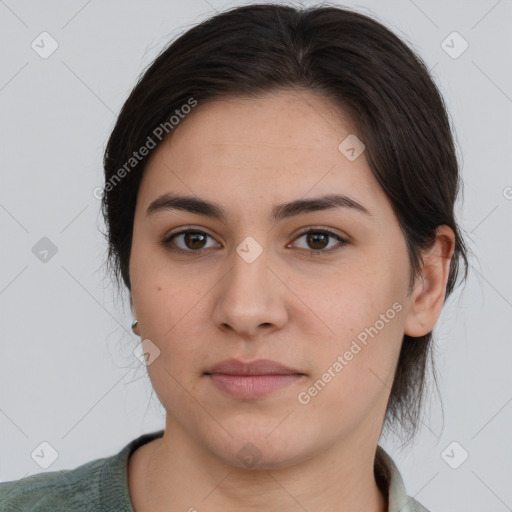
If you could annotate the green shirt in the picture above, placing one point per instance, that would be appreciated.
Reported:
(101, 485)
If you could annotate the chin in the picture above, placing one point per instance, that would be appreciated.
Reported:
(257, 450)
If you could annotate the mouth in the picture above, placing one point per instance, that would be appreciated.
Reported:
(252, 387)
(252, 380)
(258, 367)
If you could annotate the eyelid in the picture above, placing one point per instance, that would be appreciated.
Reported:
(326, 229)
(183, 230)
(342, 239)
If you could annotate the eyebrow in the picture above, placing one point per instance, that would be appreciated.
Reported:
(171, 202)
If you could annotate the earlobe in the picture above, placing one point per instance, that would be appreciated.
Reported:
(429, 291)
(135, 322)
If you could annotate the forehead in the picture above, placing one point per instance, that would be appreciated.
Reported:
(283, 119)
(283, 144)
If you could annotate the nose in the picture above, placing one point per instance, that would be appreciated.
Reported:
(251, 298)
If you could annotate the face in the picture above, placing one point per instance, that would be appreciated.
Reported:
(323, 292)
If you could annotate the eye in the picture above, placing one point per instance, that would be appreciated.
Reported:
(193, 239)
(319, 239)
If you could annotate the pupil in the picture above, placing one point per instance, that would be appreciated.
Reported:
(315, 238)
(194, 236)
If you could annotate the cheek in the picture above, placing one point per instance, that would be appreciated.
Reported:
(172, 310)
(164, 295)
(362, 320)
(345, 301)
(354, 374)
(171, 315)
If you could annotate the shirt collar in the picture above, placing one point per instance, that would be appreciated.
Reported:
(115, 470)
(389, 475)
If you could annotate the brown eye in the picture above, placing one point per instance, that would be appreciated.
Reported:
(191, 241)
(317, 241)
(194, 240)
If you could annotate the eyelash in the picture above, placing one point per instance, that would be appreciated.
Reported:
(312, 252)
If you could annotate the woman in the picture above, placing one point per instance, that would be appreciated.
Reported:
(279, 197)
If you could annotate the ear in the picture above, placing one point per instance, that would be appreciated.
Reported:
(134, 314)
(427, 297)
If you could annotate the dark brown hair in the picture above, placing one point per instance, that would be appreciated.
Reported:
(358, 64)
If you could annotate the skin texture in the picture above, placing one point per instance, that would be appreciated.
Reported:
(287, 305)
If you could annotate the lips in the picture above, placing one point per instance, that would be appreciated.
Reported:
(256, 367)
(252, 380)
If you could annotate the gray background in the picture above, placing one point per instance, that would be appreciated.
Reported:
(68, 375)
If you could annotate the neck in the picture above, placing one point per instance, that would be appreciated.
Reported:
(176, 474)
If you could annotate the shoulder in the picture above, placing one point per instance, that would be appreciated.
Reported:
(416, 506)
(97, 486)
(69, 489)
